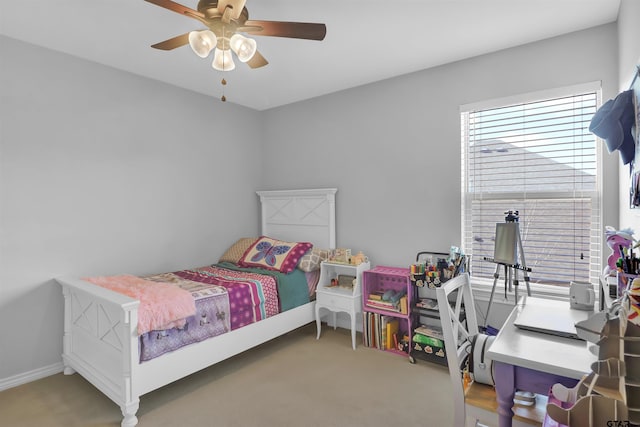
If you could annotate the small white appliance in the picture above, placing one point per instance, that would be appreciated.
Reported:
(582, 296)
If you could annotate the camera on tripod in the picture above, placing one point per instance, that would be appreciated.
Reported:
(511, 216)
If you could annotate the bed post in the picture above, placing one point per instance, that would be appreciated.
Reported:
(101, 342)
(67, 343)
(130, 364)
(331, 199)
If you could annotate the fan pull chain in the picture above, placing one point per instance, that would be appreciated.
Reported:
(224, 83)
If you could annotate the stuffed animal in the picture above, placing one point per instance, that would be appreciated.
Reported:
(615, 240)
(634, 302)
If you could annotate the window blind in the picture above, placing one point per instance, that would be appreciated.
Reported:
(538, 158)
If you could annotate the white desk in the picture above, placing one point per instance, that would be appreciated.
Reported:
(534, 361)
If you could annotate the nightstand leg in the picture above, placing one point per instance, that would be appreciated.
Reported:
(353, 331)
(318, 325)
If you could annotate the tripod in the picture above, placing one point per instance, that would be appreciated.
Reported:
(508, 246)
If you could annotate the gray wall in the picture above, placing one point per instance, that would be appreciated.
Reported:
(393, 147)
(99, 168)
(103, 172)
(629, 59)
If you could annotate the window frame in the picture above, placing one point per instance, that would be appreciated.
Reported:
(482, 285)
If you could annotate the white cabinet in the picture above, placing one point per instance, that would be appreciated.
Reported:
(340, 289)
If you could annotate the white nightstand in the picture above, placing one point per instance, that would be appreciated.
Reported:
(340, 298)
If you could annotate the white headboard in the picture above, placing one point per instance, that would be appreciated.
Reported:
(300, 215)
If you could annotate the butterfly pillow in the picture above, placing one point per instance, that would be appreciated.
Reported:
(274, 254)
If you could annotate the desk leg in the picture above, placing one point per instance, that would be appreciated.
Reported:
(509, 378)
(505, 390)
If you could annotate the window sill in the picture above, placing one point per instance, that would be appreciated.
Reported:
(482, 291)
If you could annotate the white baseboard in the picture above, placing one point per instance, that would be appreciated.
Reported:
(27, 377)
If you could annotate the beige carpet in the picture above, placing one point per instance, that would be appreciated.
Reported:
(294, 380)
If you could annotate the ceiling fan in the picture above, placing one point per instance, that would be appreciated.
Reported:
(225, 20)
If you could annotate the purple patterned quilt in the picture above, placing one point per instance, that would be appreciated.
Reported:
(225, 300)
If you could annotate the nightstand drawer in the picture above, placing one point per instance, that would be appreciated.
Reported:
(337, 302)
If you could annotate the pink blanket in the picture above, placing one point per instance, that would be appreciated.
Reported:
(162, 306)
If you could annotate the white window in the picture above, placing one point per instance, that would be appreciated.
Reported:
(534, 154)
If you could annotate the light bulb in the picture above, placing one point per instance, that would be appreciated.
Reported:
(244, 47)
(202, 42)
(222, 60)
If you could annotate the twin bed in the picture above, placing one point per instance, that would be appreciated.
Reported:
(238, 305)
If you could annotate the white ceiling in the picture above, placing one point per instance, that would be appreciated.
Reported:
(367, 40)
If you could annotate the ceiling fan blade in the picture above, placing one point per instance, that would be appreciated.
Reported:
(172, 43)
(296, 30)
(257, 61)
(178, 8)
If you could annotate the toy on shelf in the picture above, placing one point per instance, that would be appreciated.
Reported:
(340, 255)
(343, 281)
(617, 240)
(432, 269)
(359, 258)
(343, 256)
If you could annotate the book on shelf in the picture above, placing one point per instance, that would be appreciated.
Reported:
(376, 296)
(380, 331)
(404, 305)
(370, 329)
(376, 329)
(366, 326)
(392, 333)
(382, 305)
(430, 331)
(366, 335)
(428, 303)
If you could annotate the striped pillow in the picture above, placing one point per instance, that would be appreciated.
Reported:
(235, 252)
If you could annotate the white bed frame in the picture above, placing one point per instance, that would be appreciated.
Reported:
(100, 339)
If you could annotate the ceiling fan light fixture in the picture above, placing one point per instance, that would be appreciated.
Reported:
(223, 60)
(202, 42)
(243, 46)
